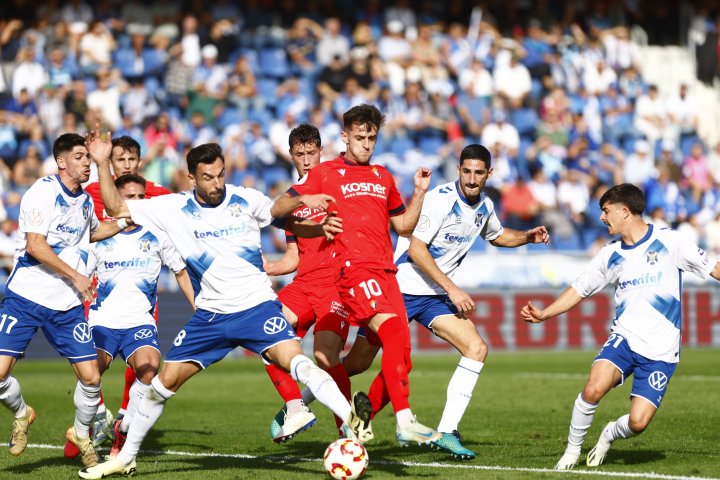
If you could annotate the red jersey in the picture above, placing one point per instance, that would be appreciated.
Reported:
(366, 199)
(151, 190)
(316, 261)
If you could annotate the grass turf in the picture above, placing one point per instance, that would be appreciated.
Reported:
(518, 418)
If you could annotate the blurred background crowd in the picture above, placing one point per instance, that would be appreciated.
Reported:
(557, 90)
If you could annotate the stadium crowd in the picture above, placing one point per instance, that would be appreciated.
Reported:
(553, 89)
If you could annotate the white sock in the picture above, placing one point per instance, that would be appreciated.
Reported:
(307, 396)
(582, 417)
(459, 393)
(87, 399)
(11, 397)
(621, 429)
(404, 417)
(137, 392)
(101, 409)
(294, 406)
(148, 413)
(322, 385)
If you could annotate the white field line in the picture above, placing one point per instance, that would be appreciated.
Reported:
(569, 376)
(494, 468)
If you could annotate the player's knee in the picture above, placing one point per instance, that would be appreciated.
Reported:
(476, 350)
(638, 424)
(326, 360)
(592, 393)
(146, 372)
(357, 364)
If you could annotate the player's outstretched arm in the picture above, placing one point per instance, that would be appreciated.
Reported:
(420, 255)
(516, 238)
(288, 263)
(284, 205)
(405, 224)
(716, 271)
(108, 229)
(331, 226)
(567, 300)
(183, 280)
(100, 147)
(39, 249)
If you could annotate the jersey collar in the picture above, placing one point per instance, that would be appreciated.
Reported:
(205, 205)
(465, 200)
(68, 192)
(644, 239)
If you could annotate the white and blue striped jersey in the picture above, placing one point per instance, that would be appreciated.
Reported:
(220, 245)
(449, 225)
(127, 267)
(647, 277)
(65, 219)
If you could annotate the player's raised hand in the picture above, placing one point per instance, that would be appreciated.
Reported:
(332, 225)
(99, 145)
(538, 235)
(531, 314)
(84, 285)
(462, 301)
(319, 201)
(422, 179)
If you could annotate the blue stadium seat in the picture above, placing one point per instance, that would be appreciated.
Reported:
(274, 63)
(229, 116)
(400, 145)
(573, 242)
(525, 120)
(430, 145)
(267, 89)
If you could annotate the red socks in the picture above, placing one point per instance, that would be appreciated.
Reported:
(129, 380)
(284, 383)
(392, 383)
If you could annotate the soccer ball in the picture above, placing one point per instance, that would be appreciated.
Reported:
(345, 459)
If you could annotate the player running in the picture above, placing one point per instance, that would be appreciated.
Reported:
(367, 199)
(311, 296)
(47, 287)
(127, 267)
(645, 267)
(216, 229)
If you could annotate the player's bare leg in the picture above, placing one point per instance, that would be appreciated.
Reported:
(603, 377)
(461, 333)
(162, 388)
(12, 399)
(641, 413)
(144, 363)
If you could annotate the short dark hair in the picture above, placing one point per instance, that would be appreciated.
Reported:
(128, 144)
(205, 153)
(626, 194)
(130, 178)
(304, 133)
(364, 114)
(476, 151)
(66, 142)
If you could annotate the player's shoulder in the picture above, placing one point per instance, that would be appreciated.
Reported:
(46, 183)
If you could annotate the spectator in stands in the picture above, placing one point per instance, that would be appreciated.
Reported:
(512, 82)
(520, 208)
(330, 81)
(76, 11)
(663, 193)
(61, 71)
(190, 41)
(278, 135)
(650, 115)
(161, 129)
(712, 235)
(178, 78)
(210, 78)
(332, 44)
(476, 80)
(621, 52)
(617, 114)
(350, 96)
(105, 100)
(198, 131)
(695, 173)
(137, 103)
(96, 47)
(538, 51)
(27, 170)
(502, 133)
(574, 197)
(682, 113)
(545, 155)
(631, 84)
(639, 166)
(302, 42)
(396, 53)
(713, 160)
(360, 69)
(29, 75)
(456, 50)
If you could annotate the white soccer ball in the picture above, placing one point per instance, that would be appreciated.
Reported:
(345, 459)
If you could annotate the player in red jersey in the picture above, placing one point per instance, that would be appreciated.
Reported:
(125, 159)
(311, 298)
(367, 199)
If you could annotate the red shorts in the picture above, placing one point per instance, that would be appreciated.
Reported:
(367, 292)
(316, 305)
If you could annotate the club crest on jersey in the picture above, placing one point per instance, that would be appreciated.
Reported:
(234, 209)
(373, 303)
(86, 211)
(144, 245)
(478, 219)
(376, 172)
(651, 258)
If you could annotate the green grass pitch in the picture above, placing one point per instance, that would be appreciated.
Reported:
(217, 426)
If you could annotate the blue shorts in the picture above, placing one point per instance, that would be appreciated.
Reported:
(208, 336)
(424, 309)
(651, 376)
(67, 331)
(125, 341)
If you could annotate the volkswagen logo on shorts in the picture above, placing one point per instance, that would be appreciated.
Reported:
(82, 332)
(143, 334)
(274, 325)
(657, 380)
